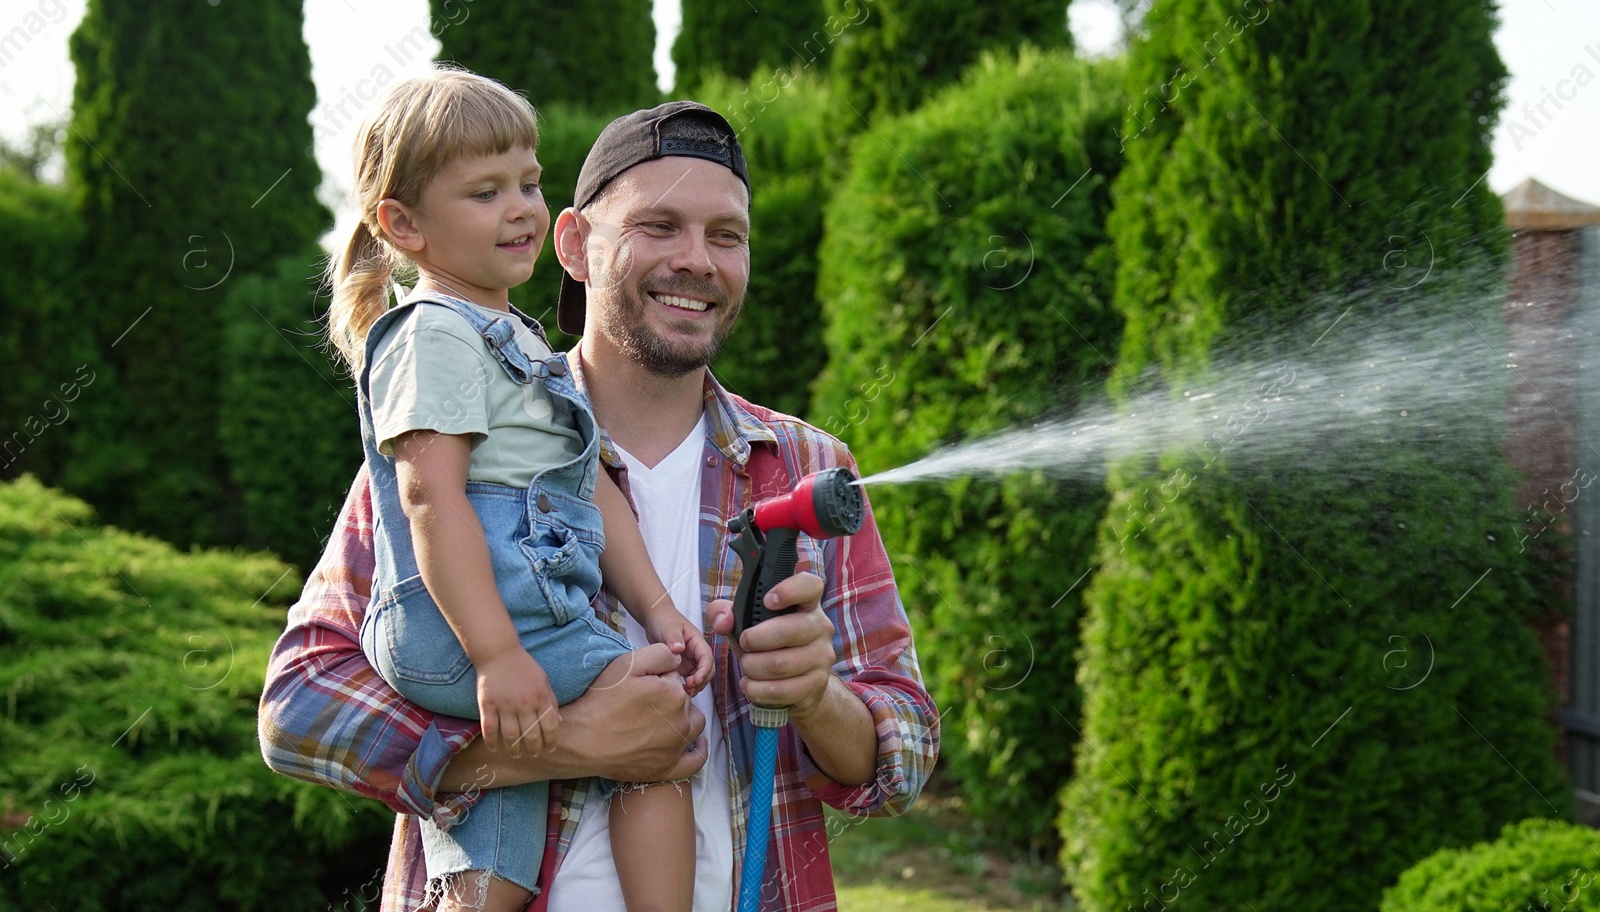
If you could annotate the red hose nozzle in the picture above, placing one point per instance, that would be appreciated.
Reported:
(823, 505)
(766, 536)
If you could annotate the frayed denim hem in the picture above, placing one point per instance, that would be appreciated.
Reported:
(454, 886)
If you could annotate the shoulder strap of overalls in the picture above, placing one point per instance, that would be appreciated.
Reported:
(534, 325)
(499, 334)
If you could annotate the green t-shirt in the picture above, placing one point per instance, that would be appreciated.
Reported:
(432, 371)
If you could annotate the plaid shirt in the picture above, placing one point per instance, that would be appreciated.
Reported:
(328, 718)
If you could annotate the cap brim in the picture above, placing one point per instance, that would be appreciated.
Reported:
(570, 306)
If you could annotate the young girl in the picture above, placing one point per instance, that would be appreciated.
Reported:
(491, 507)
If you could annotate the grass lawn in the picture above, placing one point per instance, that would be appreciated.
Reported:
(935, 859)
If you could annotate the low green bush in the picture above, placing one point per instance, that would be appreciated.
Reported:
(130, 775)
(1535, 866)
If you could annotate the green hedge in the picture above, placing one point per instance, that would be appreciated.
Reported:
(288, 420)
(130, 774)
(1302, 675)
(966, 291)
(1535, 866)
(44, 342)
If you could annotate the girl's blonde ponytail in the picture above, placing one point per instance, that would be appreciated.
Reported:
(360, 278)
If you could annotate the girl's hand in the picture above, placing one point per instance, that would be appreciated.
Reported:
(516, 705)
(687, 642)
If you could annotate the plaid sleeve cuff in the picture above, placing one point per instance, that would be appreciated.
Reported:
(419, 787)
(906, 752)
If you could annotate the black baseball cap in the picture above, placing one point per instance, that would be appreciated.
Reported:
(633, 140)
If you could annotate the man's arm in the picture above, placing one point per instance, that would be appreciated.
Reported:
(328, 718)
(325, 715)
(631, 725)
(788, 661)
(845, 665)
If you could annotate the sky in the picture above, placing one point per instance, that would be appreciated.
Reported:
(1550, 128)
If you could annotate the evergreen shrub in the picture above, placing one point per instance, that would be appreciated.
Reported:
(965, 280)
(598, 54)
(1303, 674)
(1535, 866)
(44, 340)
(891, 54)
(288, 421)
(189, 158)
(738, 40)
(130, 774)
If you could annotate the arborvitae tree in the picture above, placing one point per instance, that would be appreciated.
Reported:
(893, 53)
(598, 54)
(130, 774)
(1301, 676)
(190, 160)
(965, 293)
(737, 40)
(43, 343)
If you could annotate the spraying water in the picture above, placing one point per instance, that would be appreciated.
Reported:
(1440, 379)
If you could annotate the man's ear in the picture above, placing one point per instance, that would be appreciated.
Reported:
(400, 226)
(572, 236)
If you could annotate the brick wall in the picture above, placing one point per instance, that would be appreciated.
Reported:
(1543, 348)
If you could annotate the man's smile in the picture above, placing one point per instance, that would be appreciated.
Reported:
(680, 303)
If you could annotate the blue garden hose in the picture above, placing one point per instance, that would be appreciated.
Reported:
(768, 721)
(765, 536)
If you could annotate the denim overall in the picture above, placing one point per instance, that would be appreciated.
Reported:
(544, 545)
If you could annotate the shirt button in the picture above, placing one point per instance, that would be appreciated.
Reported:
(564, 814)
(557, 369)
(616, 618)
(544, 504)
(711, 461)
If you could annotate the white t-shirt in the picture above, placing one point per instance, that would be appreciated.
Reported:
(668, 499)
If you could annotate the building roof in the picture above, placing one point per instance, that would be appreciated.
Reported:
(1531, 205)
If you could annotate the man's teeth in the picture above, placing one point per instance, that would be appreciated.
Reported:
(683, 303)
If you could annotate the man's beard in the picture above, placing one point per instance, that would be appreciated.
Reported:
(624, 323)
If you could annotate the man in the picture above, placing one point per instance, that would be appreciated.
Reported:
(657, 258)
